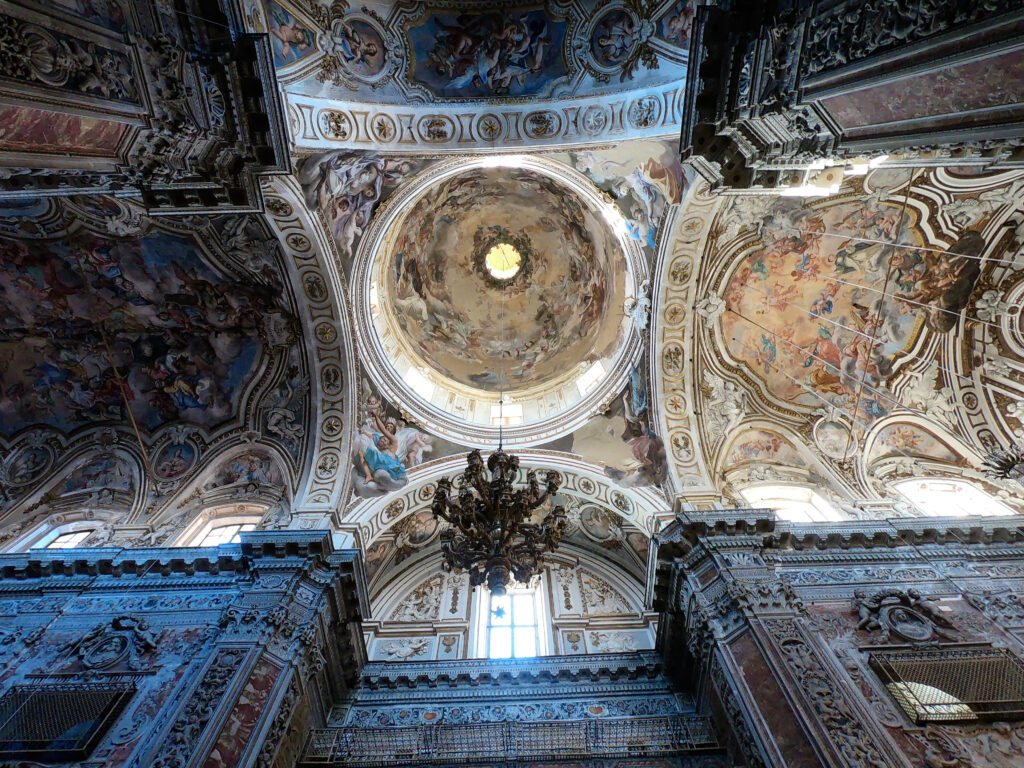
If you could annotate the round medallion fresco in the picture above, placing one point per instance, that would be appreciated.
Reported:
(506, 263)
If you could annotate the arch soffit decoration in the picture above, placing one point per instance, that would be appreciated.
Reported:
(676, 273)
(314, 264)
(394, 584)
(368, 519)
(376, 104)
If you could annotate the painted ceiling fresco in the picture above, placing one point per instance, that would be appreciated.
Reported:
(131, 348)
(621, 440)
(96, 327)
(644, 177)
(387, 446)
(346, 188)
(763, 445)
(833, 292)
(875, 324)
(562, 308)
(460, 51)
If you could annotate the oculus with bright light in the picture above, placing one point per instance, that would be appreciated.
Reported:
(503, 261)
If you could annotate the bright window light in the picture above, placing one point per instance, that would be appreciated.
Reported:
(419, 383)
(503, 161)
(791, 502)
(945, 497)
(507, 415)
(512, 625)
(225, 534)
(589, 378)
(374, 302)
(68, 540)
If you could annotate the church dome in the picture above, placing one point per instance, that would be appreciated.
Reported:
(509, 265)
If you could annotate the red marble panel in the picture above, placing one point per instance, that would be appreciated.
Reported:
(984, 84)
(781, 720)
(244, 717)
(38, 131)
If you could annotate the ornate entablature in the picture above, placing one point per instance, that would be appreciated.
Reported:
(185, 117)
(202, 644)
(829, 614)
(461, 75)
(774, 90)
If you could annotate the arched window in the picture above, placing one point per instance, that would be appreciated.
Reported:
(791, 502)
(513, 625)
(229, 533)
(58, 539)
(948, 497)
(221, 525)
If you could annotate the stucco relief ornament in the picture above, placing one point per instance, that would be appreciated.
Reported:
(990, 306)
(639, 308)
(406, 648)
(726, 404)
(929, 395)
(908, 614)
(711, 307)
(284, 409)
(123, 641)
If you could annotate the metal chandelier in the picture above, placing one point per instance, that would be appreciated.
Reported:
(491, 532)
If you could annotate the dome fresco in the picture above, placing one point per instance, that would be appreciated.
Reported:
(562, 307)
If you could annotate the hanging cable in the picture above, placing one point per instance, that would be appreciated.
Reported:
(501, 375)
(121, 383)
(885, 289)
(838, 370)
(905, 246)
(861, 333)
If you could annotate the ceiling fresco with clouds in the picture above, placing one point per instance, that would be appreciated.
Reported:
(138, 354)
(322, 362)
(873, 326)
(562, 309)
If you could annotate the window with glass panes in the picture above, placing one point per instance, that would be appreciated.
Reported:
(225, 534)
(68, 540)
(512, 629)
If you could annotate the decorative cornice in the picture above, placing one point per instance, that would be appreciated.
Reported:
(258, 550)
(545, 669)
(682, 535)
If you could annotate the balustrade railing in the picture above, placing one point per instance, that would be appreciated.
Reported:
(443, 744)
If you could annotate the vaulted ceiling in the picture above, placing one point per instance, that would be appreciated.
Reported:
(659, 338)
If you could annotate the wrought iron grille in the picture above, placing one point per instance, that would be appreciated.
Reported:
(953, 684)
(58, 722)
(510, 741)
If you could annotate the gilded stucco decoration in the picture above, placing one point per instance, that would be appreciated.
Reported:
(457, 75)
(873, 322)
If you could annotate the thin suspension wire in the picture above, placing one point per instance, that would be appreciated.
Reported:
(121, 385)
(885, 290)
(907, 246)
(501, 374)
(915, 303)
(836, 368)
(831, 405)
(861, 333)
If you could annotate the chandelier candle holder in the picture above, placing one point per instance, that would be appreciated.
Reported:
(1005, 464)
(490, 532)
